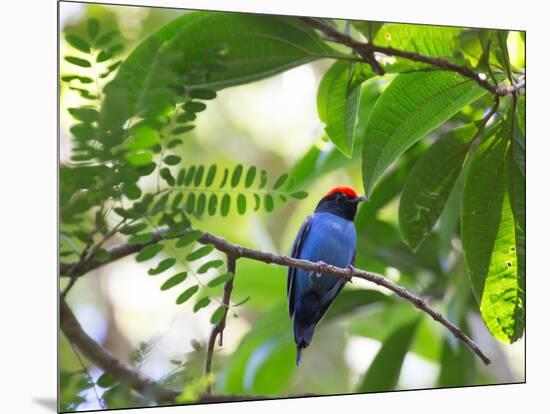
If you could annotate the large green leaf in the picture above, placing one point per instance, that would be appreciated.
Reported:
(436, 41)
(383, 373)
(338, 104)
(493, 235)
(429, 184)
(412, 106)
(269, 332)
(381, 321)
(428, 40)
(251, 47)
(457, 366)
(266, 357)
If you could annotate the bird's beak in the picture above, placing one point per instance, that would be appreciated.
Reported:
(359, 199)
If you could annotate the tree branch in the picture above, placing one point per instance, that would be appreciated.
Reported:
(367, 50)
(107, 362)
(217, 330)
(236, 251)
(127, 375)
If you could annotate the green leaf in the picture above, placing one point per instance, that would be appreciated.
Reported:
(241, 204)
(436, 41)
(201, 303)
(263, 179)
(93, 28)
(251, 47)
(186, 117)
(194, 107)
(176, 202)
(162, 266)
(225, 177)
(139, 158)
(106, 37)
(268, 202)
(182, 129)
(493, 235)
(106, 380)
(457, 366)
(190, 203)
(189, 175)
(149, 252)
(131, 190)
(225, 205)
(337, 105)
(103, 56)
(167, 176)
(174, 143)
(212, 204)
(201, 204)
(101, 255)
(143, 136)
(78, 43)
(200, 253)
(384, 370)
(236, 176)
(141, 238)
(78, 61)
(82, 79)
(205, 94)
(368, 29)
(220, 279)
(413, 105)
(217, 315)
(186, 295)
(300, 195)
(250, 175)
(257, 201)
(198, 176)
(280, 181)
(174, 281)
(188, 238)
(133, 228)
(242, 302)
(83, 132)
(172, 160)
(210, 175)
(210, 265)
(265, 356)
(429, 184)
(84, 114)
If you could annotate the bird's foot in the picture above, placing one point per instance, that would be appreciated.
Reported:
(351, 269)
(322, 268)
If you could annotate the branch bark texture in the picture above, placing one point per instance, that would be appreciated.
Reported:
(236, 252)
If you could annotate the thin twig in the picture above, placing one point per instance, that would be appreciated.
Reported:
(236, 251)
(85, 371)
(217, 330)
(367, 50)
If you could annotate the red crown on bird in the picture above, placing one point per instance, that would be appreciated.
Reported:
(342, 189)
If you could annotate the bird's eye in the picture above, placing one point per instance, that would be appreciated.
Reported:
(339, 197)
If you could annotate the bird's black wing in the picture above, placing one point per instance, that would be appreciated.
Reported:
(296, 249)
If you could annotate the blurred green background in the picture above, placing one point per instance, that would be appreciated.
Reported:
(273, 124)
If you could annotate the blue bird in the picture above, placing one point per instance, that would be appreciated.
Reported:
(327, 237)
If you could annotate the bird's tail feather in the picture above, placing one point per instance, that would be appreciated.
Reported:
(302, 336)
(298, 355)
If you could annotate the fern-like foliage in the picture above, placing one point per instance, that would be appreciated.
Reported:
(114, 147)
